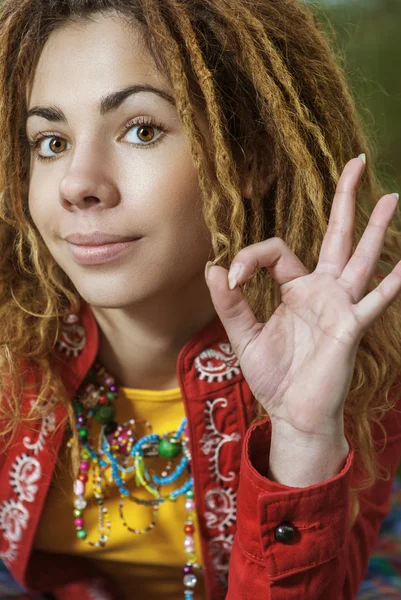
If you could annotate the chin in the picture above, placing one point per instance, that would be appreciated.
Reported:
(101, 292)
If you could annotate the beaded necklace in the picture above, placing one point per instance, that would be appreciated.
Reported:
(120, 451)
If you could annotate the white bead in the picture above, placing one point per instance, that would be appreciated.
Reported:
(189, 504)
(80, 503)
(79, 487)
(190, 581)
(189, 543)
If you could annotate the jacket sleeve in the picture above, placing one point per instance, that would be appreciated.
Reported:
(328, 556)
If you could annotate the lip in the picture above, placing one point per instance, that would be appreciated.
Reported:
(97, 238)
(100, 253)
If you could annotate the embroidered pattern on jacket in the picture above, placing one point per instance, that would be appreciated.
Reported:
(13, 518)
(220, 547)
(48, 425)
(25, 474)
(72, 336)
(217, 365)
(221, 505)
(213, 440)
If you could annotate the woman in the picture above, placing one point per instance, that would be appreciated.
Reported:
(166, 433)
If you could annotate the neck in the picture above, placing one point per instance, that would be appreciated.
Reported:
(139, 344)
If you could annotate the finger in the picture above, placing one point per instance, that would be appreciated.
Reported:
(273, 254)
(362, 265)
(233, 310)
(338, 241)
(379, 299)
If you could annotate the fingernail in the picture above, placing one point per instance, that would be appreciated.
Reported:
(363, 158)
(207, 267)
(233, 275)
(396, 194)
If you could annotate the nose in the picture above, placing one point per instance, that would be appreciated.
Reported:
(88, 185)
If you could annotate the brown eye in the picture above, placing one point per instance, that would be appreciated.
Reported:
(57, 145)
(147, 133)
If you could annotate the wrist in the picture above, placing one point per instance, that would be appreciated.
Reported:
(299, 459)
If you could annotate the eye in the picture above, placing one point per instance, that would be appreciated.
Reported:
(143, 129)
(48, 147)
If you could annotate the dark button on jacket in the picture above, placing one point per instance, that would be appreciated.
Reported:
(284, 533)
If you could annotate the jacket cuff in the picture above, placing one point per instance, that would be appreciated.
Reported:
(316, 518)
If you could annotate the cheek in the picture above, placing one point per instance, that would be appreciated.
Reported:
(40, 210)
(172, 186)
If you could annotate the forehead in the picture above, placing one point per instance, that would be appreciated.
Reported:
(88, 59)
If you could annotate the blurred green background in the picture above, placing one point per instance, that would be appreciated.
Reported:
(367, 36)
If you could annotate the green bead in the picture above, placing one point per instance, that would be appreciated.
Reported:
(83, 433)
(110, 395)
(190, 494)
(85, 453)
(77, 512)
(105, 414)
(169, 449)
(81, 534)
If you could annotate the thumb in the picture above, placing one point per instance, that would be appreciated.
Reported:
(233, 310)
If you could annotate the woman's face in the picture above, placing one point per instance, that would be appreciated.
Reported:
(119, 166)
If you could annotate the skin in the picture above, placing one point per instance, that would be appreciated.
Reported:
(149, 302)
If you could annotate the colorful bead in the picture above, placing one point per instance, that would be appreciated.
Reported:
(123, 455)
(81, 534)
(103, 401)
(169, 449)
(105, 414)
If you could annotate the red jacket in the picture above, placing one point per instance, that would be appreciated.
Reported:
(239, 508)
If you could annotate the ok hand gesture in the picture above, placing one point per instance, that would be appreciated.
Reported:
(299, 364)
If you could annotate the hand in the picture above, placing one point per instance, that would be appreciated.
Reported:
(299, 365)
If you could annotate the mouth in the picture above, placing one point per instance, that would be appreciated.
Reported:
(100, 253)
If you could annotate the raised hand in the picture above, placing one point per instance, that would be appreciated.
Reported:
(299, 364)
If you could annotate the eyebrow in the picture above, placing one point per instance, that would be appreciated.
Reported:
(107, 103)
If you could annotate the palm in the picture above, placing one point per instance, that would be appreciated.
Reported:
(299, 364)
(304, 337)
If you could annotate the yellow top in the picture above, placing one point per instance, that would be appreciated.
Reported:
(151, 564)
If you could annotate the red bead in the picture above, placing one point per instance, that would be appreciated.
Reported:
(83, 477)
(188, 529)
(103, 400)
